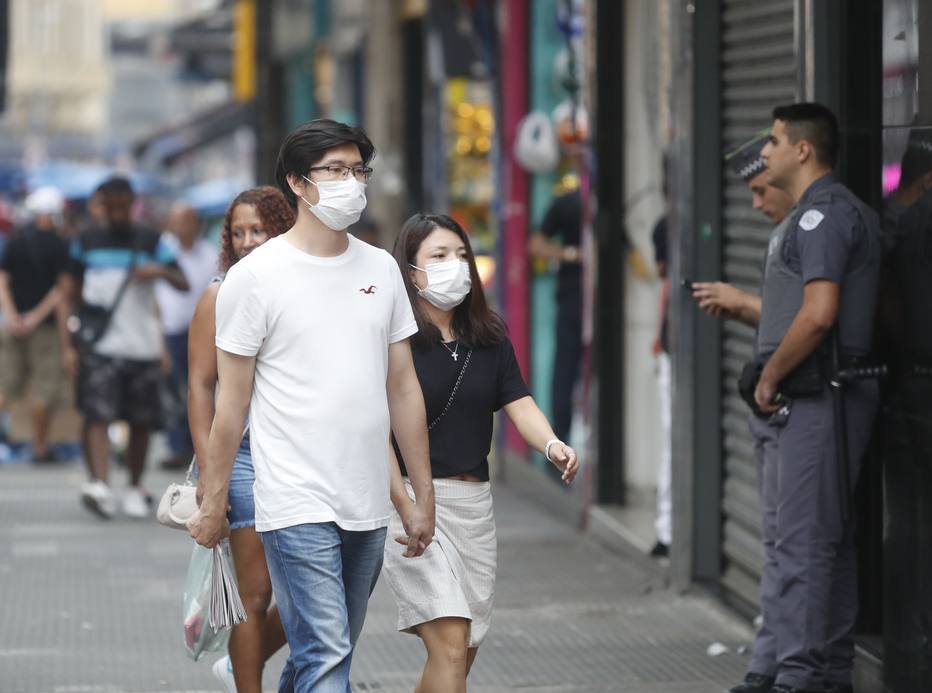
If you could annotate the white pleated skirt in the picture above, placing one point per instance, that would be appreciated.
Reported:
(456, 574)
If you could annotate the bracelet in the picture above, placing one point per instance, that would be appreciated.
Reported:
(547, 448)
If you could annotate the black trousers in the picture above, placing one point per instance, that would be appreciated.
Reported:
(567, 358)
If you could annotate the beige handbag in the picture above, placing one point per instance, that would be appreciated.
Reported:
(179, 502)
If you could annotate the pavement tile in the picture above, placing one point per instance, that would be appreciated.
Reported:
(92, 606)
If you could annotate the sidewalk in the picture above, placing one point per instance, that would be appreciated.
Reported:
(94, 607)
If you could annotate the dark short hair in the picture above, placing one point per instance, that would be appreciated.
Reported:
(474, 323)
(814, 123)
(308, 143)
(116, 185)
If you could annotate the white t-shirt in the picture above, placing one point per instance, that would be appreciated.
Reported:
(199, 265)
(320, 330)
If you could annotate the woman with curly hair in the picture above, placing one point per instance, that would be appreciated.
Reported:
(255, 216)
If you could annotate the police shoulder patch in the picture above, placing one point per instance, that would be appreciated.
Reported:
(811, 219)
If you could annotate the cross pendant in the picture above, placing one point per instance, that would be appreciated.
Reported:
(455, 355)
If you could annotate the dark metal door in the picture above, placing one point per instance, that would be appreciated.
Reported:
(759, 71)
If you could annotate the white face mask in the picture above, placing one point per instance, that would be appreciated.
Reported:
(448, 283)
(341, 202)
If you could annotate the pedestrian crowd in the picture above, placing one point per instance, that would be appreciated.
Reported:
(339, 399)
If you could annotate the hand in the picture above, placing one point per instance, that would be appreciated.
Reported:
(14, 325)
(419, 527)
(564, 458)
(70, 361)
(207, 527)
(149, 272)
(569, 254)
(766, 394)
(656, 347)
(718, 299)
(28, 323)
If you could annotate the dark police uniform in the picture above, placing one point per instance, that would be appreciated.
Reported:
(746, 163)
(812, 588)
(766, 453)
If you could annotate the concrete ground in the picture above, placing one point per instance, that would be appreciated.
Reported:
(90, 606)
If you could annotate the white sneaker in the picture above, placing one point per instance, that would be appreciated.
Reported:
(98, 498)
(223, 671)
(135, 504)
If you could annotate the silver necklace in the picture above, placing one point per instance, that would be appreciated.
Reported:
(453, 352)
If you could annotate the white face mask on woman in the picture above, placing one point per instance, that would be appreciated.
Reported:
(341, 202)
(448, 283)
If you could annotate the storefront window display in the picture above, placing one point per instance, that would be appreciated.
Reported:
(470, 134)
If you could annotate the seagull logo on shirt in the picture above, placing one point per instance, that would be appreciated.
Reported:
(370, 290)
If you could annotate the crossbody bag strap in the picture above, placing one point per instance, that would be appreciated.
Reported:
(456, 386)
(129, 274)
(123, 287)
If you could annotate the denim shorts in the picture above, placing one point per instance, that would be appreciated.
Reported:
(242, 511)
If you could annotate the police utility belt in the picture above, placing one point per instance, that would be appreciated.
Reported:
(809, 379)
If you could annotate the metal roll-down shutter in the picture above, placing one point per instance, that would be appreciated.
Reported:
(758, 64)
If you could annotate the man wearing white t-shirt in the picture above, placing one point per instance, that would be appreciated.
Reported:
(312, 337)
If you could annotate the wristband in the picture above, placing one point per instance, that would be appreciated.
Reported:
(547, 448)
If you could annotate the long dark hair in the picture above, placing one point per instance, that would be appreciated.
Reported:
(474, 323)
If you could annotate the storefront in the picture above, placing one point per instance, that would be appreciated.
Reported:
(866, 61)
(907, 422)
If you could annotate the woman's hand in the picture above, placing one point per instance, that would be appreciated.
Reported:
(564, 458)
(418, 529)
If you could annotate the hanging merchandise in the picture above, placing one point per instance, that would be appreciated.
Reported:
(567, 67)
(572, 122)
(536, 146)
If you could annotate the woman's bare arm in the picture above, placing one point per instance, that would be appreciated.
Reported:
(202, 371)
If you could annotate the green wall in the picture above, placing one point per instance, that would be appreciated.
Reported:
(545, 94)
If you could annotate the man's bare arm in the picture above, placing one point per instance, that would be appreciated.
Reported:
(409, 423)
(7, 306)
(541, 247)
(807, 331)
(235, 374)
(69, 288)
(722, 300)
(45, 308)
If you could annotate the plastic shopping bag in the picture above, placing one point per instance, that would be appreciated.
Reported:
(199, 637)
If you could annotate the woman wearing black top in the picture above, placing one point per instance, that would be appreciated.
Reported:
(467, 369)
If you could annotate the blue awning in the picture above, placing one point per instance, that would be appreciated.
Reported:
(77, 180)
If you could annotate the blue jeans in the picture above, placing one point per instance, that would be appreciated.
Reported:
(179, 437)
(322, 577)
(242, 511)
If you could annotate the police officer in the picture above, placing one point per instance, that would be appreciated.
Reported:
(820, 292)
(729, 302)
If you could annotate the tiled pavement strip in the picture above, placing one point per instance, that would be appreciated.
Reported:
(88, 606)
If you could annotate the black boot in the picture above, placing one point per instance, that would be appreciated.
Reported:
(754, 683)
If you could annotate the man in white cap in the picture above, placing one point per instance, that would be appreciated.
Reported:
(30, 359)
